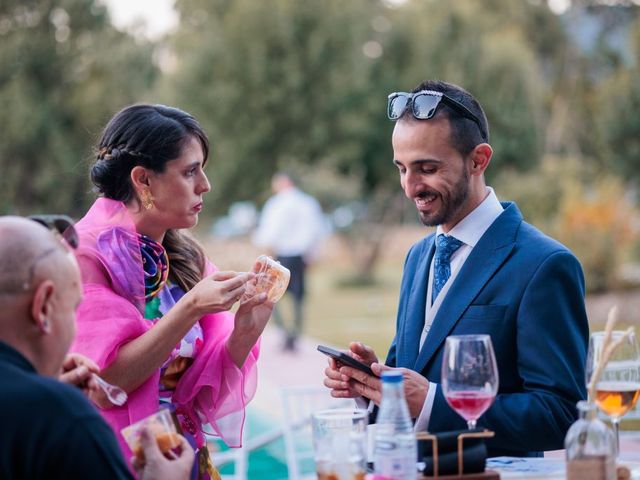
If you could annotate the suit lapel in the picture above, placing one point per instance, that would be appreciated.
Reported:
(488, 255)
(416, 308)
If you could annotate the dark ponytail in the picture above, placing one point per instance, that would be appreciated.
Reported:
(150, 136)
(186, 258)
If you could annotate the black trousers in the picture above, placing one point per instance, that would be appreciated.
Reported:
(296, 289)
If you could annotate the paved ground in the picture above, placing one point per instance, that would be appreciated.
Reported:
(280, 369)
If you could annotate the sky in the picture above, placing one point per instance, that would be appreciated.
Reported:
(158, 15)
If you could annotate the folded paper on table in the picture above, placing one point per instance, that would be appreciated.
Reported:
(532, 466)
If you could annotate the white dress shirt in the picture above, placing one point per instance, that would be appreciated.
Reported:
(291, 224)
(469, 231)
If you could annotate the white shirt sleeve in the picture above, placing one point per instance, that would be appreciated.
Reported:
(422, 423)
(365, 404)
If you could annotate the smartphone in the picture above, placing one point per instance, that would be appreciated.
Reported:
(345, 359)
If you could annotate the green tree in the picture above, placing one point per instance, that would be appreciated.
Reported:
(484, 49)
(285, 82)
(276, 84)
(616, 113)
(64, 70)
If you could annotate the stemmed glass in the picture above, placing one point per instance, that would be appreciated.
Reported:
(469, 375)
(618, 388)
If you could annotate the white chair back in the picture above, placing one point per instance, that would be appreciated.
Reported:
(298, 403)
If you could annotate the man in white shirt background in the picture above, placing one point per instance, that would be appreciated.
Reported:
(484, 271)
(291, 226)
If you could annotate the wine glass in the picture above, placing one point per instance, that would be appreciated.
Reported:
(618, 388)
(469, 375)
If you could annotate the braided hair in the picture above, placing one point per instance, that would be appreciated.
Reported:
(150, 136)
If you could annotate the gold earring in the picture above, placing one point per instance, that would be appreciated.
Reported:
(147, 200)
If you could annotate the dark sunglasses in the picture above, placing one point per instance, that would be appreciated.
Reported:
(61, 225)
(424, 105)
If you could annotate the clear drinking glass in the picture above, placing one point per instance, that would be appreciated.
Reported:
(618, 389)
(160, 425)
(469, 375)
(339, 443)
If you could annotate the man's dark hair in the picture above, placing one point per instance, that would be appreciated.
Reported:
(465, 134)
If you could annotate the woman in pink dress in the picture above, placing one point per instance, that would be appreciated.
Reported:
(154, 313)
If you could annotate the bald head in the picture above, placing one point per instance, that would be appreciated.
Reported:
(40, 290)
(27, 251)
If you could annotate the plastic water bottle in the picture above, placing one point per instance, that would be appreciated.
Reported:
(395, 449)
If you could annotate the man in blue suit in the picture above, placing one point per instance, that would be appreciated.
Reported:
(484, 271)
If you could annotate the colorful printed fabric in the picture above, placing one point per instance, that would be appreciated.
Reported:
(161, 295)
(155, 264)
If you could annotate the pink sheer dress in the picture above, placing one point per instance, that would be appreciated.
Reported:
(210, 392)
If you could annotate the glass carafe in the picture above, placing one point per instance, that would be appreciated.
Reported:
(590, 447)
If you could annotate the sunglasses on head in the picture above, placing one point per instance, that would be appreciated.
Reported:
(424, 104)
(60, 225)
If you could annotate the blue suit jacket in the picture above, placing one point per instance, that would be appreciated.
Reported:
(526, 291)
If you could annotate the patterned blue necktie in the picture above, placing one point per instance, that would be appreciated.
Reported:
(445, 247)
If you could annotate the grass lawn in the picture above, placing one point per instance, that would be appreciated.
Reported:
(337, 313)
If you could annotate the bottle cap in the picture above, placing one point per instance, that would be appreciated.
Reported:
(392, 376)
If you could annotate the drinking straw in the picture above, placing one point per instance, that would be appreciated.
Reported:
(608, 348)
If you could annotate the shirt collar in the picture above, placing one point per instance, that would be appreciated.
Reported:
(11, 355)
(471, 228)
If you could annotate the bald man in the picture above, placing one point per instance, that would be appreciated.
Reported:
(49, 429)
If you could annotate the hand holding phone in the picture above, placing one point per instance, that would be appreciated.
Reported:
(345, 359)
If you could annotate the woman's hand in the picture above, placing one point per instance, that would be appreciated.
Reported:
(138, 359)
(252, 315)
(250, 319)
(218, 292)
